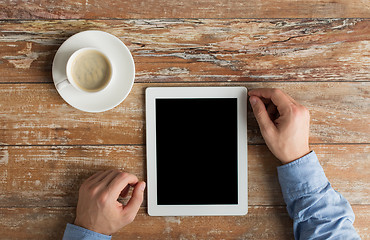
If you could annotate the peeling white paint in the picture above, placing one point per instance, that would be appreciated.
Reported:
(173, 220)
(24, 60)
(4, 157)
(173, 71)
(167, 229)
(3, 176)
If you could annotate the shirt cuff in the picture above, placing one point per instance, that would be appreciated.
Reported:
(300, 177)
(74, 232)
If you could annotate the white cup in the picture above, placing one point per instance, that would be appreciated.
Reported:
(71, 78)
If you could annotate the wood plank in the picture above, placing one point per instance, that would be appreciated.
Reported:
(198, 50)
(51, 175)
(259, 223)
(17, 9)
(34, 114)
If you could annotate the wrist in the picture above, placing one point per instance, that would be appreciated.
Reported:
(296, 156)
(88, 227)
(79, 223)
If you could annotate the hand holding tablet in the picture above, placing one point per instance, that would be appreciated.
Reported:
(197, 151)
(285, 124)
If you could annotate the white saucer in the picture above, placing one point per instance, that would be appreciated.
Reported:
(122, 64)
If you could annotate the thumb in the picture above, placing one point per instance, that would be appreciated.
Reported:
(260, 112)
(136, 199)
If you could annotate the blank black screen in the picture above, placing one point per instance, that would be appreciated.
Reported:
(196, 151)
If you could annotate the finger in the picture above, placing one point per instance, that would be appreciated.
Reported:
(100, 177)
(260, 112)
(94, 176)
(120, 181)
(291, 99)
(109, 178)
(91, 180)
(278, 97)
(136, 199)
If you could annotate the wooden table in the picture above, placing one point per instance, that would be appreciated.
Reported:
(317, 51)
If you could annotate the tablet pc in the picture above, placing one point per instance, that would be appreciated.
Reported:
(196, 151)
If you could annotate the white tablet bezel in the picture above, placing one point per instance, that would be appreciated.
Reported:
(154, 93)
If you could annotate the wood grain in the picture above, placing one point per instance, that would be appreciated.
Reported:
(34, 114)
(203, 50)
(92, 9)
(260, 223)
(47, 148)
(41, 176)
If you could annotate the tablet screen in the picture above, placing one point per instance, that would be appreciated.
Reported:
(197, 151)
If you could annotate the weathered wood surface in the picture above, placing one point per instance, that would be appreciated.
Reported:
(260, 223)
(41, 176)
(92, 9)
(323, 63)
(34, 114)
(203, 50)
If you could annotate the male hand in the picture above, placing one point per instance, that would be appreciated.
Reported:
(98, 209)
(283, 122)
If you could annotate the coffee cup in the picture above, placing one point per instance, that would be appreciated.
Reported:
(89, 70)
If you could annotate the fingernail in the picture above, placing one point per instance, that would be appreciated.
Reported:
(143, 186)
(253, 101)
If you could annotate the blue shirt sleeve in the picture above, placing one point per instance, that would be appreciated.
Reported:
(74, 232)
(317, 210)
